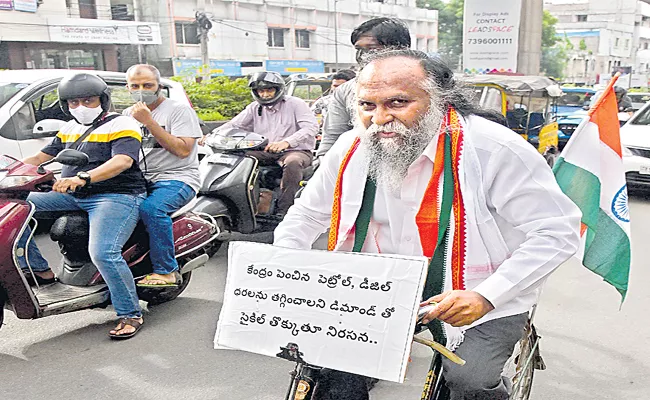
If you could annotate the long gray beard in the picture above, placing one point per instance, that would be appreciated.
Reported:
(389, 159)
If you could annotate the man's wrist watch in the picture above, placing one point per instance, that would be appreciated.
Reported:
(85, 176)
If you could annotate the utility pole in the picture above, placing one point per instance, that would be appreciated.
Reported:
(204, 26)
(336, 36)
(136, 18)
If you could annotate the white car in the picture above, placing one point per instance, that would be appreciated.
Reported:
(635, 138)
(30, 115)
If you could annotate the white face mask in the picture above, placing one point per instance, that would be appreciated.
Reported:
(85, 115)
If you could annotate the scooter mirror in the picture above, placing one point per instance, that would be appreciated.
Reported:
(72, 157)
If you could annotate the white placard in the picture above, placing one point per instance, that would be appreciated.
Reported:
(491, 36)
(346, 311)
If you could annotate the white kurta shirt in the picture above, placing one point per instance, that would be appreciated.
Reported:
(537, 222)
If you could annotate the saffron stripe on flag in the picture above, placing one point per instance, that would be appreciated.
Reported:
(607, 121)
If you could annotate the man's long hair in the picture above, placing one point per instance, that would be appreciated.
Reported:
(440, 82)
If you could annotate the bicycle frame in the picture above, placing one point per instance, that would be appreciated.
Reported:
(306, 377)
(528, 357)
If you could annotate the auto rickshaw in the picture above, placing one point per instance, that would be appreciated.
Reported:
(526, 102)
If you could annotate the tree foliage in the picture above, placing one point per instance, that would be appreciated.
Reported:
(218, 98)
(450, 28)
(554, 56)
(549, 34)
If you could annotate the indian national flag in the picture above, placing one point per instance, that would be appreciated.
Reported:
(590, 171)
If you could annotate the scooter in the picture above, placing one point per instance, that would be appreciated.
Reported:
(80, 285)
(235, 190)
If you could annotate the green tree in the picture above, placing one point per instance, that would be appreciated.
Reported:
(218, 98)
(583, 45)
(554, 49)
(549, 34)
(450, 28)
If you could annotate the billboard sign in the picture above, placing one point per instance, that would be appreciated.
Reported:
(25, 5)
(491, 36)
(288, 67)
(100, 31)
(192, 66)
(6, 5)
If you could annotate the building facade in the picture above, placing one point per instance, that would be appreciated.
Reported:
(77, 34)
(283, 35)
(602, 37)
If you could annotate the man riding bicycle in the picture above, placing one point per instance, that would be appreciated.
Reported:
(424, 174)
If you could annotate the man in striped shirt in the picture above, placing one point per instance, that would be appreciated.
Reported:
(110, 188)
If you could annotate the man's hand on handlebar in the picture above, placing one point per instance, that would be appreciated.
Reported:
(68, 185)
(277, 147)
(457, 307)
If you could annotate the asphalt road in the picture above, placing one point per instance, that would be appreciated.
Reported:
(593, 348)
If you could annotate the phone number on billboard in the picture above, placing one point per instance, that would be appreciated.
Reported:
(490, 41)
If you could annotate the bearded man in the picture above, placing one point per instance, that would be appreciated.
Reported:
(423, 174)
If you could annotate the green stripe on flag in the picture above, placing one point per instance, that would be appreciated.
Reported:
(582, 187)
(608, 254)
(607, 249)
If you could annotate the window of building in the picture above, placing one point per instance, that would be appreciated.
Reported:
(187, 33)
(302, 39)
(431, 45)
(645, 46)
(616, 42)
(87, 9)
(276, 38)
(627, 44)
(581, 18)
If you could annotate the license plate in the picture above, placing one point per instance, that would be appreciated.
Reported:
(215, 158)
(645, 170)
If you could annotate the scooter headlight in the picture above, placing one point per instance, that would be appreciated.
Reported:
(16, 181)
(249, 144)
(224, 143)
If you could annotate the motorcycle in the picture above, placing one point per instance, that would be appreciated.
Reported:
(235, 190)
(80, 285)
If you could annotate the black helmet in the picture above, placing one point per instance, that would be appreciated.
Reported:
(265, 80)
(620, 91)
(83, 85)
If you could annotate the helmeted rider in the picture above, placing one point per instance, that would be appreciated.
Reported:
(289, 125)
(622, 100)
(109, 188)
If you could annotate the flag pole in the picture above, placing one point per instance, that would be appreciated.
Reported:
(609, 87)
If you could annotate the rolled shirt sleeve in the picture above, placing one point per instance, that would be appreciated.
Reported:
(523, 191)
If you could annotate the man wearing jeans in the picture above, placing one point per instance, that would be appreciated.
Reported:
(109, 188)
(170, 165)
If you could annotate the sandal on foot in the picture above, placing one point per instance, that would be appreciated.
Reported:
(123, 323)
(178, 279)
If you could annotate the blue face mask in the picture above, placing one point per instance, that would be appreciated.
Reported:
(148, 97)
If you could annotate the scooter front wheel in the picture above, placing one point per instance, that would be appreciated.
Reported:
(159, 296)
